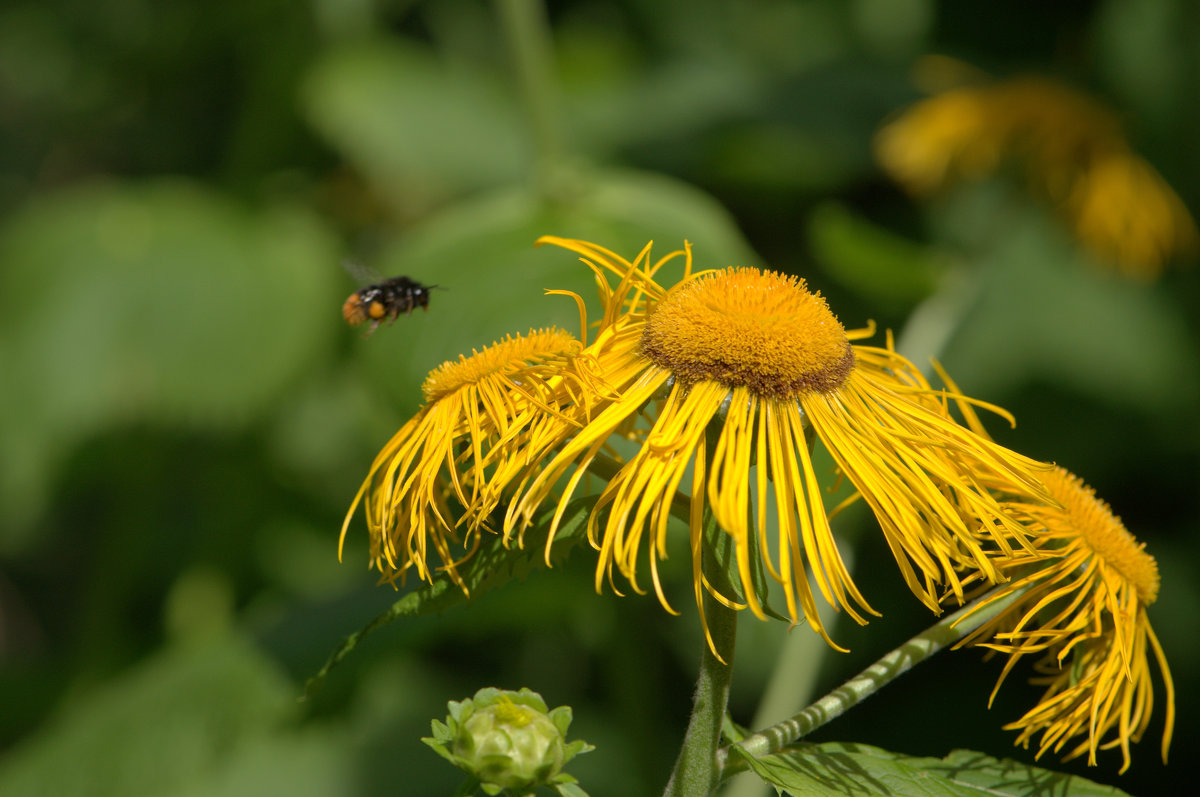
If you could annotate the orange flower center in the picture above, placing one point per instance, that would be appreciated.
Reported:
(1105, 534)
(745, 327)
(503, 357)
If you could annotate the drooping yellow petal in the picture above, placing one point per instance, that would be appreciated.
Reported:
(466, 445)
(1082, 610)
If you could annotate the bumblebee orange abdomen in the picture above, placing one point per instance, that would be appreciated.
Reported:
(352, 310)
(385, 301)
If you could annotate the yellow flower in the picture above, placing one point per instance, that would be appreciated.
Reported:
(465, 445)
(940, 141)
(1071, 150)
(735, 373)
(1121, 207)
(1081, 608)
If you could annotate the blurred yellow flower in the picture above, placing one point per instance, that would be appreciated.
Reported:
(464, 445)
(736, 372)
(1122, 207)
(939, 141)
(1070, 149)
(1082, 609)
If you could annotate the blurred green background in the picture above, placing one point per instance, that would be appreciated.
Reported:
(184, 417)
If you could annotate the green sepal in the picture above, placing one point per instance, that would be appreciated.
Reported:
(570, 789)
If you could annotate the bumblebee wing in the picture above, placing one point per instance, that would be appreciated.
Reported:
(362, 273)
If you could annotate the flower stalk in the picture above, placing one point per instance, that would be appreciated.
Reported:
(942, 634)
(528, 34)
(698, 770)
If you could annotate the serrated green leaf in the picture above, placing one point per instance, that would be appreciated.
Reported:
(492, 566)
(809, 770)
(1018, 779)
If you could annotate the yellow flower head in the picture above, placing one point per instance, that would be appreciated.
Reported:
(465, 445)
(941, 140)
(736, 372)
(1123, 209)
(1070, 149)
(1081, 607)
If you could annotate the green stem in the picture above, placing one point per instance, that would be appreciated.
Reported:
(946, 632)
(791, 686)
(529, 39)
(604, 466)
(697, 772)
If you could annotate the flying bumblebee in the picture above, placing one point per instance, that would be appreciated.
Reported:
(385, 301)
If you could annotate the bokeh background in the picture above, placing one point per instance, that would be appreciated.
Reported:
(184, 417)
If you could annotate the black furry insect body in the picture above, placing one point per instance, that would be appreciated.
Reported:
(385, 301)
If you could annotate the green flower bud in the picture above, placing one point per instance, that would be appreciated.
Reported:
(507, 740)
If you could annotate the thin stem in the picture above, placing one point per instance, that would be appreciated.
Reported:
(945, 632)
(529, 39)
(792, 684)
(696, 770)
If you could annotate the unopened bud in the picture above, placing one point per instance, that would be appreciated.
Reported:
(508, 740)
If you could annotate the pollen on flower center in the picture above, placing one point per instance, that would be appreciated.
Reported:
(745, 327)
(1105, 534)
(513, 352)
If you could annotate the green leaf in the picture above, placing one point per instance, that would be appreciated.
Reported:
(492, 566)
(856, 769)
(161, 726)
(721, 567)
(420, 129)
(877, 264)
(731, 731)
(1143, 55)
(150, 303)
(313, 763)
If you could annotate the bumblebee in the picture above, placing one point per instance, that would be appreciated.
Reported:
(385, 301)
